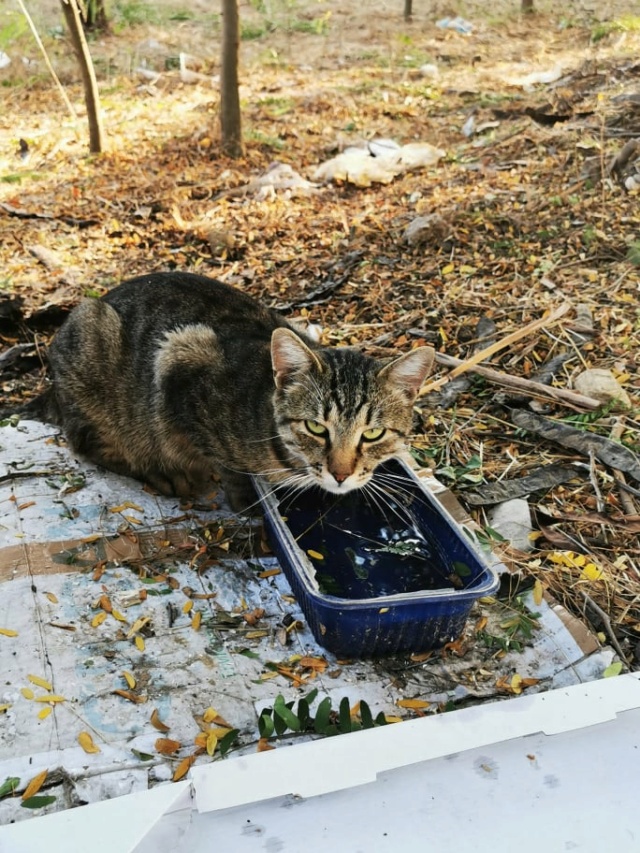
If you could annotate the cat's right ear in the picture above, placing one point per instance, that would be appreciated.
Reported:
(290, 356)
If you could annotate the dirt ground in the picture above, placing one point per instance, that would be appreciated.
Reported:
(530, 112)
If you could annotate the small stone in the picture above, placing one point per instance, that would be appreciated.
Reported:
(602, 385)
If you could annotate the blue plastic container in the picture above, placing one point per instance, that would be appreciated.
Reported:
(377, 576)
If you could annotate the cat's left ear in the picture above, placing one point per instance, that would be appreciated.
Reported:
(290, 356)
(409, 372)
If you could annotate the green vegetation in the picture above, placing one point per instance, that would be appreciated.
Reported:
(624, 24)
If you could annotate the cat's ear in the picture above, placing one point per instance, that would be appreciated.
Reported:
(290, 356)
(410, 370)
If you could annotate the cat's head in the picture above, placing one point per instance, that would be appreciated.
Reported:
(341, 413)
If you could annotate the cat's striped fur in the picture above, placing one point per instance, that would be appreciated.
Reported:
(172, 377)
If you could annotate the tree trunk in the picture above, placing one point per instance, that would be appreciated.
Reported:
(79, 42)
(230, 117)
(408, 9)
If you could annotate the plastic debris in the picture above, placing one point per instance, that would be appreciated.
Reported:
(380, 161)
(458, 24)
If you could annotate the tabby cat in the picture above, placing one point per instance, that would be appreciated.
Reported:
(172, 377)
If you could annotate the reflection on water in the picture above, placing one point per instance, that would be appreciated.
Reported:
(359, 551)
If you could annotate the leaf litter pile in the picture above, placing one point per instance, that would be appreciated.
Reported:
(515, 252)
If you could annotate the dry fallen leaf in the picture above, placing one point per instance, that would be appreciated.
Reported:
(413, 704)
(86, 742)
(139, 641)
(44, 713)
(50, 697)
(264, 745)
(138, 625)
(98, 619)
(187, 606)
(8, 632)
(166, 746)
(52, 597)
(132, 697)
(157, 723)
(34, 785)
(4, 708)
(183, 767)
(27, 692)
(197, 619)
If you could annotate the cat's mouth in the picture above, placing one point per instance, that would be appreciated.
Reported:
(340, 487)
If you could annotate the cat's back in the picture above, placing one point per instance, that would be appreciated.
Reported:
(161, 301)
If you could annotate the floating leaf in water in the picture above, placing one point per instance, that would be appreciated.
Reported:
(316, 555)
(461, 569)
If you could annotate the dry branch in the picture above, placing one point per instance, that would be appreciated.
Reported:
(517, 383)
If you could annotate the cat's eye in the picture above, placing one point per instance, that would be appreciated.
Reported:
(373, 434)
(315, 428)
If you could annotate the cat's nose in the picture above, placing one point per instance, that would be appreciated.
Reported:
(340, 476)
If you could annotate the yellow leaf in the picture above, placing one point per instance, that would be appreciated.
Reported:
(446, 270)
(98, 619)
(212, 742)
(415, 704)
(183, 767)
(390, 718)
(209, 715)
(39, 682)
(86, 742)
(44, 713)
(50, 697)
(316, 555)
(52, 598)
(27, 692)
(537, 593)
(129, 679)
(516, 683)
(4, 708)
(138, 625)
(139, 643)
(157, 723)
(8, 632)
(34, 785)
(591, 572)
(126, 505)
(117, 615)
(187, 606)
(197, 619)
(132, 519)
(269, 573)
